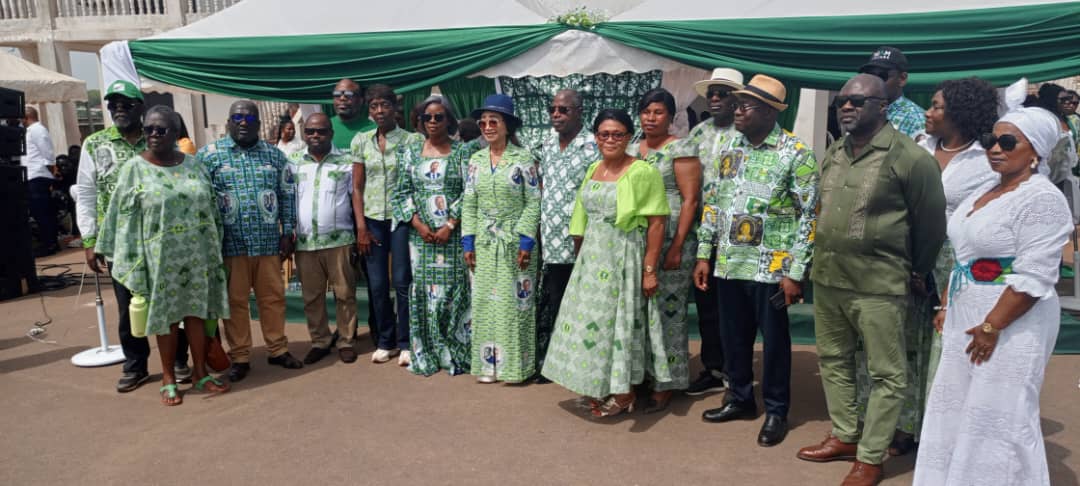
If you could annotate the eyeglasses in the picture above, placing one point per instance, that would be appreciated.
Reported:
(614, 136)
(486, 123)
(347, 94)
(561, 109)
(856, 101)
(250, 118)
(438, 117)
(126, 105)
(313, 131)
(1006, 142)
(155, 130)
(717, 92)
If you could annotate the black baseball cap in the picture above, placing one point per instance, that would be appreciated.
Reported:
(888, 58)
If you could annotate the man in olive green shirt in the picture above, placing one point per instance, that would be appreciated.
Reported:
(880, 227)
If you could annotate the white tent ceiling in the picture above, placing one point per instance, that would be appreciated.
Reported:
(40, 85)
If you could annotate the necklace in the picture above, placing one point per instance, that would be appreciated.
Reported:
(941, 145)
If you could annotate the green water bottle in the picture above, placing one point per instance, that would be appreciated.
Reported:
(138, 312)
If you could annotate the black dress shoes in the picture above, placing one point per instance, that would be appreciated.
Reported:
(773, 431)
(731, 411)
(285, 361)
(238, 371)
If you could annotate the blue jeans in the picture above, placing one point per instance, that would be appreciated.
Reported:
(389, 260)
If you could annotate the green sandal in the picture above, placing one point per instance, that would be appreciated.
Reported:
(201, 385)
(169, 397)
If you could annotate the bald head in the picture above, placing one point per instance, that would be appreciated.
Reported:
(319, 118)
(243, 124)
(31, 115)
(318, 134)
(347, 99)
(861, 105)
(566, 114)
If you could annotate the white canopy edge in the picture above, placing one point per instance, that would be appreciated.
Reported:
(39, 85)
(652, 10)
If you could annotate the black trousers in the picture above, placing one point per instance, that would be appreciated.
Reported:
(137, 349)
(553, 281)
(41, 208)
(708, 311)
(747, 310)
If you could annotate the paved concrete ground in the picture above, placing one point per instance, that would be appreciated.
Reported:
(378, 424)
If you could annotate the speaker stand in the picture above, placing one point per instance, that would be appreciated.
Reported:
(105, 354)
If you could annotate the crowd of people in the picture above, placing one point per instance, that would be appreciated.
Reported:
(932, 240)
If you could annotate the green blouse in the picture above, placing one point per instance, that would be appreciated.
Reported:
(639, 193)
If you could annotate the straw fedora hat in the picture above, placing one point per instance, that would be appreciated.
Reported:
(767, 89)
(722, 76)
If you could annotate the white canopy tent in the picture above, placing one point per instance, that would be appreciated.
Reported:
(40, 85)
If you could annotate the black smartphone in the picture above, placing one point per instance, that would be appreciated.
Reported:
(778, 300)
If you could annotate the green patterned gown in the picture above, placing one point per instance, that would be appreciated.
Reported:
(674, 293)
(500, 205)
(162, 231)
(439, 317)
(605, 324)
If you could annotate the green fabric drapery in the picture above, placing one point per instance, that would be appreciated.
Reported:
(787, 117)
(466, 94)
(304, 69)
(999, 44)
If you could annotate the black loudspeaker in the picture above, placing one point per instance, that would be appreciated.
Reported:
(12, 104)
(18, 274)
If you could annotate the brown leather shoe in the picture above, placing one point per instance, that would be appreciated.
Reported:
(830, 449)
(863, 474)
(347, 355)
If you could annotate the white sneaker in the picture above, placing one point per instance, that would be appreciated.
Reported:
(380, 356)
(404, 359)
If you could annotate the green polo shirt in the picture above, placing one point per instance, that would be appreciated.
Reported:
(882, 215)
(344, 131)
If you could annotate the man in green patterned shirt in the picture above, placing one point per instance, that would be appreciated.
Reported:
(103, 153)
(324, 238)
(564, 156)
(759, 214)
(378, 236)
(706, 141)
(890, 64)
(881, 225)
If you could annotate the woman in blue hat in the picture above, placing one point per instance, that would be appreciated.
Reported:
(500, 217)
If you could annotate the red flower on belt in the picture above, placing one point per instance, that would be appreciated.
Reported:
(986, 269)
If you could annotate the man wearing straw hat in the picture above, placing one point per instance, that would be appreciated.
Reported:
(760, 214)
(706, 141)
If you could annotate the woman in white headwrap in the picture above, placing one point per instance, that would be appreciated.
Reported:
(982, 419)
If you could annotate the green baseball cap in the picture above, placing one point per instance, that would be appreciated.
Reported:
(124, 88)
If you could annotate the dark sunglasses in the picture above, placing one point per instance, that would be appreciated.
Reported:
(240, 117)
(856, 100)
(561, 109)
(438, 117)
(155, 130)
(313, 131)
(344, 94)
(718, 92)
(1006, 142)
(126, 105)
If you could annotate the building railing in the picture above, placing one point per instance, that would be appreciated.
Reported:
(17, 9)
(108, 8)
(206, 7)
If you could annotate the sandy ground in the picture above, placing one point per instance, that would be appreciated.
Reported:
(378, 424)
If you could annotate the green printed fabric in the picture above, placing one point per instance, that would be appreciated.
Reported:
(533, 95)
(324, 216)
(561, 173)
(501, 204)
(440, 320)
(606, 330)
(106, 151)
(162, 231)
(907, 117)
(380, 169)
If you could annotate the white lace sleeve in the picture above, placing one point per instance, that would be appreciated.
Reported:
(1042, 225)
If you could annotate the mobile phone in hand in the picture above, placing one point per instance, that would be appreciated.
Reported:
(778, 300)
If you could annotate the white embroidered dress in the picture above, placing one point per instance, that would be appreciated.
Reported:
(982, 422)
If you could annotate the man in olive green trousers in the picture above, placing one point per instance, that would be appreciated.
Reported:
(880, 227)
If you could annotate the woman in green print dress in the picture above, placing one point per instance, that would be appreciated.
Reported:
(162, 231)
(682, 187)
(500, 217)
(430, 184)
(606, 330)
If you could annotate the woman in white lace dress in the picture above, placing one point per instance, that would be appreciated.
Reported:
(982, 419)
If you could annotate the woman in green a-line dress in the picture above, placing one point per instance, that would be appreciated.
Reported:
(430, 185)
(499, 221)
(682, 187)
(162, 231)
(606, 330)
